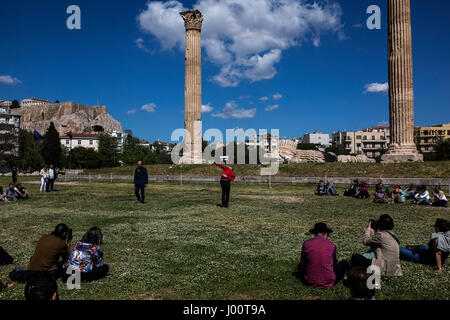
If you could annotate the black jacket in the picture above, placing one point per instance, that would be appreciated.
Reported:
(140, 176)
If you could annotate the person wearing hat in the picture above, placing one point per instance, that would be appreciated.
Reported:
(398, 195)
(318, 265)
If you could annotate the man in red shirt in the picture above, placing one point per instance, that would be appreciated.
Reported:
(318, 264)
(225, 182)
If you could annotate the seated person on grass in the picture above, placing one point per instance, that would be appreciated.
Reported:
(320, 191)
(350, 192)
(41, 287)
(357, 283)
(384, 248)
(411, 191)
(11, 193)
(381, 188)
(51, 252)
(21, 192)
(363, 191)
(318, 265)
(437, 250)
(422, 197)
(380, 196)
(440, 200)
(87, 256)
(331, 189)
(3, 195)
(398, 195)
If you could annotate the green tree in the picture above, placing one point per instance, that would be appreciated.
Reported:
(86, 158)
(337, 151)
(107, 147)
(15, 104)
(442, 150)
(30, 157)
(51, 147)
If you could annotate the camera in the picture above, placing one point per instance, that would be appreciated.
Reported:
(69, 235)
(373, 224)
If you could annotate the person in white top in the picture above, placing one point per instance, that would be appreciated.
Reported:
(422, 197)
(44, 178)
(440, 200)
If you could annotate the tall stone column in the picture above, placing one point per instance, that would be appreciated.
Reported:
(193, 87)
(401, 95)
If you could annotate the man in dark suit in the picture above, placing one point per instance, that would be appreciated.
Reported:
(140, 182)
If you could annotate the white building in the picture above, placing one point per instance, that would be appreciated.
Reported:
(9, 131)
(266, 141)
(33, 102)
(5, 103)
(120, 137)
(371, 141)
(319, 138)
(86, 140)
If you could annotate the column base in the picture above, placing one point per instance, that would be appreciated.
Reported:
(401, 157)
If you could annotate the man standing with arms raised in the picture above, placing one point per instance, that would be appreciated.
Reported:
(140, 182)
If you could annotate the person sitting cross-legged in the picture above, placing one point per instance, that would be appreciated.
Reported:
(350, 192)
(437, 250)
(363, 191)
(21, 192)
(320, 191)
(398, 195)
(52, 251)
(422, 197)
(440, 200)
(11, 193)
(87, 256)
(331, 189)
(318, 265)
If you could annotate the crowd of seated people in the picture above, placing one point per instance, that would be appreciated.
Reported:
(320, 268)
(13, 193)
(326, 189)
(53, 258)
(418, 194)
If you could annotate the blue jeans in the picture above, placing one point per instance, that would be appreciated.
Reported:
(416, 257)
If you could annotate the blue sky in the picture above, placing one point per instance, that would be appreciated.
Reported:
(312, 64)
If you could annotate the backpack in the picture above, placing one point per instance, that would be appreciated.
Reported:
(5, 258)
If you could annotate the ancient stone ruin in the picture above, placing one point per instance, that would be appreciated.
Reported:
(68, 116)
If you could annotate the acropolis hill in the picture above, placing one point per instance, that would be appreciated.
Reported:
(68, 116)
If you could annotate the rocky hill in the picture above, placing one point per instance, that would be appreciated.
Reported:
(68, 116)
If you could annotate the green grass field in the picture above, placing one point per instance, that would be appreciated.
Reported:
(179, 245)
(436, 169)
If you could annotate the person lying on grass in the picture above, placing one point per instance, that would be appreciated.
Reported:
(87, 256)
(318, 265)
(437, 250)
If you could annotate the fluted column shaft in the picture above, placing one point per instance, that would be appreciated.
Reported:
(193, 87)
(401, 96)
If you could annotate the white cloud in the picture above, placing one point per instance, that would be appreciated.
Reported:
(383, 124)
(149, 107)
(245, 39)
(140, 43)
(377, 87)
(231, 110)
(277, 96)
(129, 112)
(265, 98)
(271, 108)
(207, 108)
(8, 80)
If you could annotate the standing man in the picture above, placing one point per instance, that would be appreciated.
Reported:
(14, 175)
(225, 182)
(140, 181)
(51, 178)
